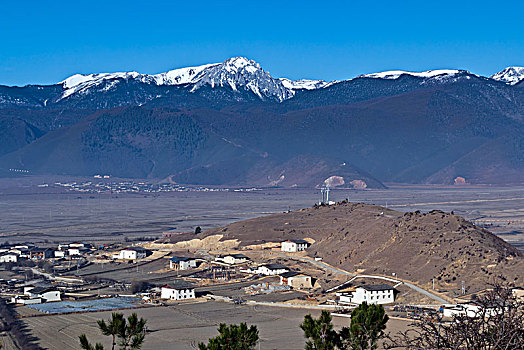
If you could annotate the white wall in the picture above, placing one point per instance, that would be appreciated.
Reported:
(371, 297)
(8, 258)
(177, 294)
(289, 247)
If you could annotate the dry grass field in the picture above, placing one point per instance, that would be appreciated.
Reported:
(183, 325)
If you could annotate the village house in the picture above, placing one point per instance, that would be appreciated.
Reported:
(8, 257)
(372, 294)
(294, 245)
(232, 259)
(60, 254)
(182, 263)
(41, 253)
(179, 290)
(21, 252)
(296, 280)
(271, 269)
(47, 294)
(132, 253)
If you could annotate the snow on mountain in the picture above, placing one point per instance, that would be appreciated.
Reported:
(303, 84)
(395, 74)
(238, 73)
(242, 73)
(510, 75)
(181, 76)
(80, 83)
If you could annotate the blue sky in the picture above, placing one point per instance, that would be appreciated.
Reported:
(46, 41)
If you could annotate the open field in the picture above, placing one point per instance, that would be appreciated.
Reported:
(183, 325)
(35, 214)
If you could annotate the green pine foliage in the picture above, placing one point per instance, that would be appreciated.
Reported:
(128, 333)
(233, 337)
(368, 322)
(320, 332)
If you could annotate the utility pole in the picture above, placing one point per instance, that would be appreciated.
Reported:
(463, 287)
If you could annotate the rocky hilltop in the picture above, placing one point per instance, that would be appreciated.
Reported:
(363, 238)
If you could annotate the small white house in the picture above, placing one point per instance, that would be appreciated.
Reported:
(232, 259)
(45, 293)
(294, 245)
(131, 253)
(177, 291)
(296, 279)
(271, 269)
(372, 294)
(9, 257)
(74, 251)
(182, 263)
(469, 310)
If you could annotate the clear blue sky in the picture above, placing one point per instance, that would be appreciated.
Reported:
(46, 41)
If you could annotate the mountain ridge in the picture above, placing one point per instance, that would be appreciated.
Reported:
(431, 127)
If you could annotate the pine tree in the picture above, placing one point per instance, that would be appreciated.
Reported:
(320, 332)
(232, 337)
(368, 322)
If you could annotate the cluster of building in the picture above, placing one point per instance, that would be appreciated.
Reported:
(12, 253)
(133, 187)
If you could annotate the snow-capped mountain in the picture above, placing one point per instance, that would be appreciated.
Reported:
(510, 75)
(242, 73)
(395, 74)
(237, 73)
(303, 84)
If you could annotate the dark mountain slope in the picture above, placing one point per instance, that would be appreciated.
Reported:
(132, 142)
(408, 129)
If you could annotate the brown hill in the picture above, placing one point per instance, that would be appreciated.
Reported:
(364, 238)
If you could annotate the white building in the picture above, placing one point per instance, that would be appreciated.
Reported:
(73, 251)
(296, 280)
(372, 294)
(469, 310)
(9, 257)
(45, 293)
(294, 245)
(60, 254)
(177, 291)
(182, 263)
(233, 259)
(131, 253)
(271, 269)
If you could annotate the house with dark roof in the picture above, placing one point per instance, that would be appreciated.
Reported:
(178, 290)
(271, 269)
(41, 253)
(232, 259)
(371, 294)
(294, 245)
(45, 293)
(182, 263)
(132, 253)
(296, 280)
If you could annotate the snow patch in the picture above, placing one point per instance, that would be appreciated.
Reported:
(510, 75)
(395, 74)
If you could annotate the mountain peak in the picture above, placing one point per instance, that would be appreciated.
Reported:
(510, 75)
